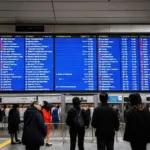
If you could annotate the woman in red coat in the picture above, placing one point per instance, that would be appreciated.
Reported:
(48, 120)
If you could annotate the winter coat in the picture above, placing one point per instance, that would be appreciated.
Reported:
(47, 116)
(105, 120)
(13, 121)
(55, 115)
(137, 125)
(34, 128)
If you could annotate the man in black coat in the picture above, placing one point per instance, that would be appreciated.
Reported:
(106, 122)
(77, 130)
(13, 123)
(34, 128)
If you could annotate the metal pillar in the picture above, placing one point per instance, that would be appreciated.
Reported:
(63, 117)
(96, 99)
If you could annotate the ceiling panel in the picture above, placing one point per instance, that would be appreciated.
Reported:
(25, 6)
(81, 28)
(101, 0)
(7, 20)
(102, 14)
(80, 0)
(102, 20)
(129, 0)
(35, 20)
(101, 6)
(26, 0)
(26, 14)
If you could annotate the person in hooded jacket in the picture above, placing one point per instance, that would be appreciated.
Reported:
(34, 130)
(13, 123)
(137, 130)
(76, 130)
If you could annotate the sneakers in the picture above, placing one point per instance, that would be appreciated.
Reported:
(49, 144)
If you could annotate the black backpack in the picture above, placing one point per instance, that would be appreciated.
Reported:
(79, 121)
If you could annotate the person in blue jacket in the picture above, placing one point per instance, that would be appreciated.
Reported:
(55, 117)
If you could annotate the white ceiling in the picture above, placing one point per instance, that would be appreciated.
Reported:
(74, 11)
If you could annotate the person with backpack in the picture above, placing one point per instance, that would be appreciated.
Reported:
(137, 130)
(77, 120)
(105, 120)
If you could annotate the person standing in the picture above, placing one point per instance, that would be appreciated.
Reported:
(106, 122)
(147, 107)
(55, 117)
(34, 129)
(88, 112)
(48, 120)
(13, 124)
(3, 114)
(77, 120)
(126, 113)
(137, 130)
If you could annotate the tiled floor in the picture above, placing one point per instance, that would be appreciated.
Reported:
(65, 146)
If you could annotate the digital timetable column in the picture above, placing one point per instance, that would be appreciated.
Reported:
(130, 63)
(11, 63)
(145, 62)
(109, 63)
(39, 51)
(75, 63)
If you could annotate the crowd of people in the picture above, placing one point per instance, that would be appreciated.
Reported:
(39, 117)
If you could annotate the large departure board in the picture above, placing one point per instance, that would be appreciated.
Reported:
(11, 63)
(109, 62)
(130, 66)
(145, 63)
(75, 63)
(39, 63)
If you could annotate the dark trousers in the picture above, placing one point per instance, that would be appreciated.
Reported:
(138, 145)
(74, 133)
(105, 144)
(14, 135)
(31, 147)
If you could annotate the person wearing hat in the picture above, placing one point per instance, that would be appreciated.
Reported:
(35, 129)
(137, 130)
(13, 124)
(77, 120)
(105, 120)
(48, 120)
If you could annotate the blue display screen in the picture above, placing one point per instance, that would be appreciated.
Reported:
(109, 62)
(11, 63)
(130, 66)
(145, 62)
(75, 63)
(39, 63)
(113, 99)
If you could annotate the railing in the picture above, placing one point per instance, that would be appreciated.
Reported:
(61, 132)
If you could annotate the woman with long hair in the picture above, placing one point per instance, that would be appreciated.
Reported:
(137, 130)
(48, 120)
